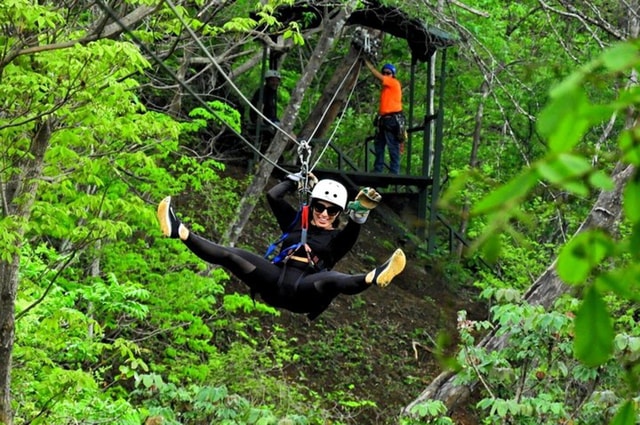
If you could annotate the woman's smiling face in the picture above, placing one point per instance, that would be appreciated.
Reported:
(324, 214)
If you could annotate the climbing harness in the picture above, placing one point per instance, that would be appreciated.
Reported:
(304, 150)
(396, 120)
(302, 216)
(286, 257)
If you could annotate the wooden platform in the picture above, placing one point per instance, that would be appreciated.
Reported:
(357, 179)
(376, 180)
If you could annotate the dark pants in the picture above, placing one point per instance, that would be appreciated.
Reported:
(295, 286)
(387, 136)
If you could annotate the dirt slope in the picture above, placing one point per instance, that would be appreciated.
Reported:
(377, 346)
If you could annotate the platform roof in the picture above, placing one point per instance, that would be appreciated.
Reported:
(423, 39)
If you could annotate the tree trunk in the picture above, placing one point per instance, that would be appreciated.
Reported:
(175, 107)
(485, 89)
(605, 215)
(332, 27)
(18, 196)
(334, 97)
(333, 100)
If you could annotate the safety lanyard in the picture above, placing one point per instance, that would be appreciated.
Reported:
(284, 235)
(304, 224)
(304, 153)
(303, 215)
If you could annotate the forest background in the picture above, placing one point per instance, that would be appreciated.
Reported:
(103, 321)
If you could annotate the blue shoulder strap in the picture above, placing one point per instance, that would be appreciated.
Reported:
(274, 245)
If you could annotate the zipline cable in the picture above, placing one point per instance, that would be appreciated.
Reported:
(335, 129)
(181, 83)
(197, 40)
(335, 94)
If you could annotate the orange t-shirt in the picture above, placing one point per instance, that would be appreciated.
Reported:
(390, 96)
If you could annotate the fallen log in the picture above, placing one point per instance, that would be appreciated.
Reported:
(604, 215)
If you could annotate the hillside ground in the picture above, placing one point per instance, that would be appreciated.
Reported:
(378, 346)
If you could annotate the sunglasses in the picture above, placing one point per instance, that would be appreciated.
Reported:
(332, 210)
(387, 73)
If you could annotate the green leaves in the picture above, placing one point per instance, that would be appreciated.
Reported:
(629, 143)
(240, 24)
(621, 57)
(593, 342)
(632, 199)
(563, 120)
(431, 409)
(509, 194)
(219, 112)
(564, 167)
(573, 173)
(626, 414)
(604, 268)
(582, 255)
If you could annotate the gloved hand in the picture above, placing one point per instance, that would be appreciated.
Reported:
(366, 200)
(299, 178)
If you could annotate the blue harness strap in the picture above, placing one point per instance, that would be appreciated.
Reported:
(304, 151)
(284, 252)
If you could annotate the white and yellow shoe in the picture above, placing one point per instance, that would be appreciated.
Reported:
(169, 223)
(384, 274)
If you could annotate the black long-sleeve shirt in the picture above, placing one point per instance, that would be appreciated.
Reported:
(329, 246)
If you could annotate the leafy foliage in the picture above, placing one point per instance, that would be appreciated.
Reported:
(115, 324)
(592, 256)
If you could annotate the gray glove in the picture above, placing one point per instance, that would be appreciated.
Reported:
(366, 200)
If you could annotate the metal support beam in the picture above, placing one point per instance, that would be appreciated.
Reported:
(435, 187)
(409, 123)
(423, 195)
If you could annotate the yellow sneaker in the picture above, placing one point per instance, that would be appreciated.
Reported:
(384, 274)
(169, 223)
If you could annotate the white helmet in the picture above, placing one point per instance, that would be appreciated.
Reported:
(330, 191)
(271, 74)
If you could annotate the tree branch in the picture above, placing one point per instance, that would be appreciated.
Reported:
(110, 31)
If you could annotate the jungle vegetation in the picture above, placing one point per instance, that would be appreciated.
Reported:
(108, 106)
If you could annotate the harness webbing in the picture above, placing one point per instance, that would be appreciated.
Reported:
(304, 152)
(303, 216)
(275, 244)
(305, 224)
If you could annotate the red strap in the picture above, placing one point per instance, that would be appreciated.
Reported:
(305, 217)
(304, 223)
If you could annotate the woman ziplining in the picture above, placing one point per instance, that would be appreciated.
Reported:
(300, 278)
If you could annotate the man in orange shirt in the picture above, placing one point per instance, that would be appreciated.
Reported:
(390, 120)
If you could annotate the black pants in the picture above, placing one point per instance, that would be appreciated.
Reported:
(294, 287)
